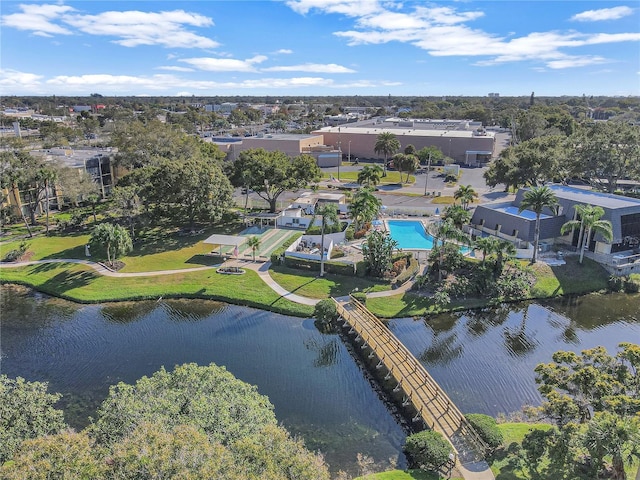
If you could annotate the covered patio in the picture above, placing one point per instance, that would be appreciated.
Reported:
(223, 241)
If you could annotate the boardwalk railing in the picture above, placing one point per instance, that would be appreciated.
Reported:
(433, 405)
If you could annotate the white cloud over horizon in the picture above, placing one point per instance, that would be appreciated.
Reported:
(603, 14)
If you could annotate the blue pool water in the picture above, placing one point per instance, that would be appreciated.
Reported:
(410, 235)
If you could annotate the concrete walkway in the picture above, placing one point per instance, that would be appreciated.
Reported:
(262, 268)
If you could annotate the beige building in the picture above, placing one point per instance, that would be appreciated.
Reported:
(460, 140)
(291, 144)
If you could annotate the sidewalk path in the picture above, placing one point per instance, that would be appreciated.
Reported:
(262, 270)
(102, 270)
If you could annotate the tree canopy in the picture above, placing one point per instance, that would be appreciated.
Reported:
(605, 152)
(270, 174)
(192, 423)
(594, 399)
(26, 412)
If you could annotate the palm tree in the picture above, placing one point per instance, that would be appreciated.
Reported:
(399, 160)
(537, 199)
(504, 248)
(412, 163)
(114, 239)
(48, 177)
(364, 207)
(387, 144)
(466, 194)
(589, 223)
(458, 215)
(487, 245)
(254, 244)
(370, 175)
(443, 231)
(329, 216)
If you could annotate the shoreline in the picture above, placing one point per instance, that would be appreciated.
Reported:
(52, 275)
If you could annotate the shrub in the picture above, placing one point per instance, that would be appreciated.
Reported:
(487, 428)
(278, 252)
(15, 254)
(412, 268)
(398, 267)
(325, 310)
(360, 296)
(616, 284)
(631, 286)
(427, 450)
(360, 233)
(349, 233)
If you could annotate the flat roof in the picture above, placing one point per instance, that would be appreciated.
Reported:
(282, 136)
(399, 131)
(608, 200)
(216, 239)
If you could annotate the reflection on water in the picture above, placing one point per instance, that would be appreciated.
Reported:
(318, 391)
(484, 359)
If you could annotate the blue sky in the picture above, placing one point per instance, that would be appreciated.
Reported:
(320, 47)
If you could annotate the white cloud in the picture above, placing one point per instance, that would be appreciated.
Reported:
(21, 83)
(39, 19)
(442, 31)
(175, 68)
(351, 8)
(613, 13)
(10, 80)
(131, 28)
(284, 51)
(572, 62)
(134, 28)
(311, 68)
(225, 64)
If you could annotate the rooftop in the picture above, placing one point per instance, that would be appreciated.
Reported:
(399, 131)
(606, 200)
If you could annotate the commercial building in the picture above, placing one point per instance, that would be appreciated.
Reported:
(466, 142)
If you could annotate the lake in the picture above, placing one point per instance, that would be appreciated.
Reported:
(483, 359)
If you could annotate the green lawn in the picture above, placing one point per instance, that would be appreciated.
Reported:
(54, 246)
(392, 177)
(82, 284)
(308, 284)
(572, 278)
(152, 252)
(405, 475)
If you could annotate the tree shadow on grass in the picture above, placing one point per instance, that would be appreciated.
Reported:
(47, 267)
(207, 260)
(413, 303)
(69, 280)
(77, 252)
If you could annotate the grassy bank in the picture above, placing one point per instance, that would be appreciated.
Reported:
(159, 251)
(82, 284)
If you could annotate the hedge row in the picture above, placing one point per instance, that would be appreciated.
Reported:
(338, 268)
(279, 252)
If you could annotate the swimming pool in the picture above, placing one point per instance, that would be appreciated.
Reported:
(410, 235)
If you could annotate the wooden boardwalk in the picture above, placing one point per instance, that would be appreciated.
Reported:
(419, 389)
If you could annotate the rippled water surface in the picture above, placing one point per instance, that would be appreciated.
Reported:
(483, 359)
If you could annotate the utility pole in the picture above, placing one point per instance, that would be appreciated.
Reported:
(426, 178)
